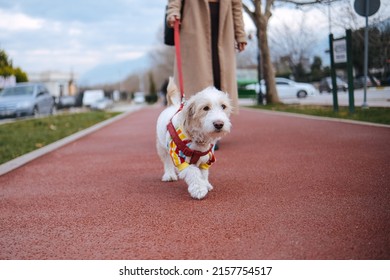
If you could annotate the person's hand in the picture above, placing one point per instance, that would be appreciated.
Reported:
(171, 21)
(241, 46)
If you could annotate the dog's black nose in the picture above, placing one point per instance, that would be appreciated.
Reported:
(218, 125)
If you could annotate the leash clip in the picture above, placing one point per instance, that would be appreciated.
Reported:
(183, 100)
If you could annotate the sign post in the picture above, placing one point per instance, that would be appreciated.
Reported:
(341, 54)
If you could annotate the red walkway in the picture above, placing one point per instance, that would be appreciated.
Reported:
(285, 188)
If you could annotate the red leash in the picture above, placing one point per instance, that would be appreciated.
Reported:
(178, 60)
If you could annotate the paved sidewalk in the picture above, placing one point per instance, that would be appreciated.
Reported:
(286, 187)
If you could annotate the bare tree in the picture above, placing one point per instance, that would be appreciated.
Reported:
(260, 18)
(248, 58)
(163, 59)
(293, 41)
(260, 12)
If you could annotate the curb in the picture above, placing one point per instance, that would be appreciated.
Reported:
(22, 160)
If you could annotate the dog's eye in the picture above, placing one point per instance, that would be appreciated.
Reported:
(206, 108)
(223, 106)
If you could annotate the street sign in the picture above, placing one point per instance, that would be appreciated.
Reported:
(340, 50)
(361, 7)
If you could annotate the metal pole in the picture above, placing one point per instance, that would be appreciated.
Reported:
(260, 93)
(333, 75)
(365, 104)
(350, 72)
(329, 18)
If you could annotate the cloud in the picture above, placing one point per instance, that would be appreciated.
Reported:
(313, 19)
(45, 35)
(19, 22)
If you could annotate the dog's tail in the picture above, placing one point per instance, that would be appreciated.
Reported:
(173, 93)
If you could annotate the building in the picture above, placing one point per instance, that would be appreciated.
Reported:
(7, 81)
(58, 83)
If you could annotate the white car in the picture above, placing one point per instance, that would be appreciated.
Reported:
(287, 88)
(139, 98)
(102, 104)
(91, 96)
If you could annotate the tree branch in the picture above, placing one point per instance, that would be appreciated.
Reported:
(308, 2)
(249, 12)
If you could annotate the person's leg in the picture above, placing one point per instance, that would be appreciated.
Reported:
(214, 19)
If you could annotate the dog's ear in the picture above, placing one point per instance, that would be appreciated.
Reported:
(189, 112)
(189, 109)
(173, 94)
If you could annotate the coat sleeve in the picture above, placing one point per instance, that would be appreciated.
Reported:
(174, 7)
(239, 30)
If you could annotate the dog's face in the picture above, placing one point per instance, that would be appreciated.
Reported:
(207, 115)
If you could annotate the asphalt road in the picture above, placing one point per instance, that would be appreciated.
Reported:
(285, 187)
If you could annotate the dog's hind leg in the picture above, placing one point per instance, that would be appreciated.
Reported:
(197, 186)
(169, 168)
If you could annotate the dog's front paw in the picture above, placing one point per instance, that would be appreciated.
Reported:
(197, 191)
(209, 186)
(169, 177)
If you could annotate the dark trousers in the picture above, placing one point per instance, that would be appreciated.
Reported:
(214, 19)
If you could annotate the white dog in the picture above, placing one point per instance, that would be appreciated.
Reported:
(185, 137)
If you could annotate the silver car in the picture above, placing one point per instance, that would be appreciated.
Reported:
(25, 99)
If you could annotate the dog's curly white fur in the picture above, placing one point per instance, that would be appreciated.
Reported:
(204, 119)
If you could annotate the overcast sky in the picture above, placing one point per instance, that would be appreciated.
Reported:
(77, 35)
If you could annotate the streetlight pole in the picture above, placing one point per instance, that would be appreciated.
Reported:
(366, 8)
(365, 104)
(329, 18)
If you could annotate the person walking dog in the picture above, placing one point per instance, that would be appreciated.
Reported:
(210, 33)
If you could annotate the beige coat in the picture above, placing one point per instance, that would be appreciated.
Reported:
(195, 41)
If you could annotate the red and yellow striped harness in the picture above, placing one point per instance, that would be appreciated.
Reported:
(180, 152)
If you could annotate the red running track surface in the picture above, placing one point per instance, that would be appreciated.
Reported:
(284, 188)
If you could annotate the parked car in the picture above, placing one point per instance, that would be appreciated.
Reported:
(139, 97)
(371, 82)
(287, 88)
(385, 81)
(66, 101)
(326, 85)
(26, 99)
(90, 96)
(102, 104)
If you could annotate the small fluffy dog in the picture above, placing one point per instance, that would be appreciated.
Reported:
(185, 138)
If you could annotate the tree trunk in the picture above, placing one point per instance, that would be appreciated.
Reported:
(260, 20)
(268, 70)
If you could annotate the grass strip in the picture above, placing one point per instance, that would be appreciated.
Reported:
(21, 137)
(374, 115)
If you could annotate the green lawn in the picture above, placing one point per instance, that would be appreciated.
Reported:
(23, 136)
(374, 115)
